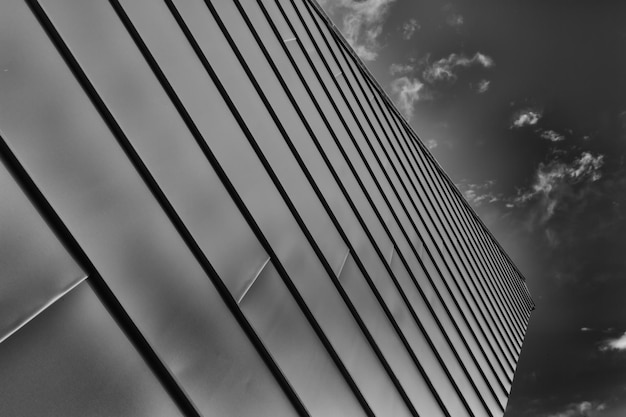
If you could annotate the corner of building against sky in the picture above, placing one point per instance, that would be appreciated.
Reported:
(523, 103)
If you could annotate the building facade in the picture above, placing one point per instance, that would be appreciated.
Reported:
(211, 208)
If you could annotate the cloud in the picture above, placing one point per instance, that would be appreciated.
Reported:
(482, 86)
(585, 329)
(455, 20)
(361, 23)
(558, 182)
(444, 69)
(396, 69)
(409, 28)
(477, 194)
(407, 91)
(618, 343)
(526, 117)
(551, 135)
(582, 409)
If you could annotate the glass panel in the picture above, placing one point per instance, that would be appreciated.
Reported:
(290, 339)
(73, 360)
(74, 159)
(35, 268)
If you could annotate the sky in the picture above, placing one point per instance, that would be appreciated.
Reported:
(523, 103)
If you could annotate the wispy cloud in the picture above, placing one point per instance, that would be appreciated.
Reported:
(582, 409)
(551, 135)
(482, 86)
(477, 194)
(585, 329)
(409, 28)
(526, 117)
(618, 343)
(361, 23)
(397, 69)
(444, 69)
(557, 182)
(408, 91)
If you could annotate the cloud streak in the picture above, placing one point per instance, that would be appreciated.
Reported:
(526, 117)
(582, 409)
(408, 29)
(558, 182)
(483, 86)
(445, 68)
(408, 91)
(618, 343)
(397, 69)
(551, 135)
(361, 23)
(477, 194)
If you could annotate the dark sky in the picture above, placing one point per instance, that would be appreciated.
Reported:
(523, 103)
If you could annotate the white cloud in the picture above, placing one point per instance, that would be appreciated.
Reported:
(483, 86)
(552, 136)
(526, 117)
(396, 69)
(558, 181)
(407, 92)
(443, 69)
(618, 343)
(409, 28)
(582, 409)
(361, 23)
(588, 166)
(477, 194)
(585, 329)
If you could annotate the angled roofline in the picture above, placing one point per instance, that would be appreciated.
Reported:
(370, 77)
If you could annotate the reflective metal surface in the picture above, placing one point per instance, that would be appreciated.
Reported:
(264, 233)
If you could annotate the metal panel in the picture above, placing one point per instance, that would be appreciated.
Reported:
(73, 360)
(288, 237)
(144, 112)
(120, 225)
(414, 383)
(254, 212)
(35, 268)
(277, 319)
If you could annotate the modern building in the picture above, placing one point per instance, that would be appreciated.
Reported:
(211, 208)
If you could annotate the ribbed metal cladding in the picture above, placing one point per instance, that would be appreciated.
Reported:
(212, 208)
